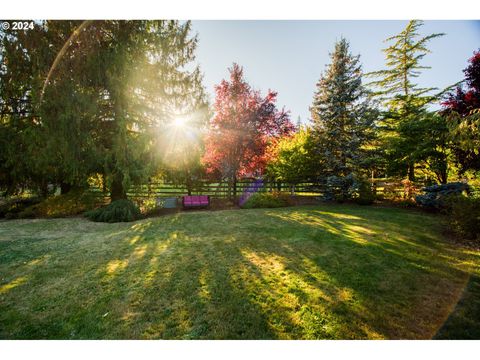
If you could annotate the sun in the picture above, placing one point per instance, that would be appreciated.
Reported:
(179, 122)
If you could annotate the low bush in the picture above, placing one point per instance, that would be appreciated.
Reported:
(117, 211)
(409, 189)
(28, 213)
(348, 188)
(399, 191)
(436, 196)
(11, 209)
(364, 193)
(464, 216)
(148, 206)
(404, 203)
(266, 200)
(339, 188)
(390, 191)
(73, 203)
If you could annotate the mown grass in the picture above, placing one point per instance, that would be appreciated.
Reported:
(312, 272)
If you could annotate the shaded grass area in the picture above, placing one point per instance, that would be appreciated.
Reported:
(464, 322)
(312, 272)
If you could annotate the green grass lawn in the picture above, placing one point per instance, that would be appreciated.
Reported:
(312, 272)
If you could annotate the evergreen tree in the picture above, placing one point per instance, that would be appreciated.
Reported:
(144, 82)
(66, 105)
(95, 97)
(26, 57)
(342, 115)
(405, 123)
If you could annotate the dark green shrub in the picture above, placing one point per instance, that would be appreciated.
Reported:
(339, 188)
(74, 202)
(28, 213)
(464, 216)
(117, 211)
(347, 188)
(436, 196)
(266, 200)
(11, 215)
(364, 193)
(12, 208)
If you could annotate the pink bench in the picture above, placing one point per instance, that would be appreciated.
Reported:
(196, 201)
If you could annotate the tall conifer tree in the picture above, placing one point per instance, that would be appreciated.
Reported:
(406, 121)
(342, 114)
(97, 96)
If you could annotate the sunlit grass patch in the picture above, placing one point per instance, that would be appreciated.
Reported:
(313, 272)
(12, 284)
(116, 265)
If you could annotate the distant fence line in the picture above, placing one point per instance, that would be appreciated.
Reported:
(220, 190)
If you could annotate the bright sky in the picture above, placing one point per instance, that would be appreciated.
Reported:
(289, 56)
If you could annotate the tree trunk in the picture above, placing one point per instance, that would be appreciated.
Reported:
(44, 189)
(411, 172)
(373, 184)
(442, 176)
(104, 184)
(65, 188)
(117, 191)
(444, 171)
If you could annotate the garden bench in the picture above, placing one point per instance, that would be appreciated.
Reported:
(193, 201)
(166, 202)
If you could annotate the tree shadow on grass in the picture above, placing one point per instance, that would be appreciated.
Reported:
(359, 289)
(404, 286)
(144, 281)
(302, 274)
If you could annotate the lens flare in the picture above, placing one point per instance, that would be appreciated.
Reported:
(62, 52)
(179, 122)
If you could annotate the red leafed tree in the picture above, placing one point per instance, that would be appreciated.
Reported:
(464, 105)
(243, 126)
(464, 101)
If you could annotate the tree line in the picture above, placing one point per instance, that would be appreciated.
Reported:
(121, 102)
(381, 123)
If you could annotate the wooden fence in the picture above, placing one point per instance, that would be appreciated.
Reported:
(212, 189)
(220, 190)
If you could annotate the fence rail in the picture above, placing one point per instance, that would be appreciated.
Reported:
(221, 190)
